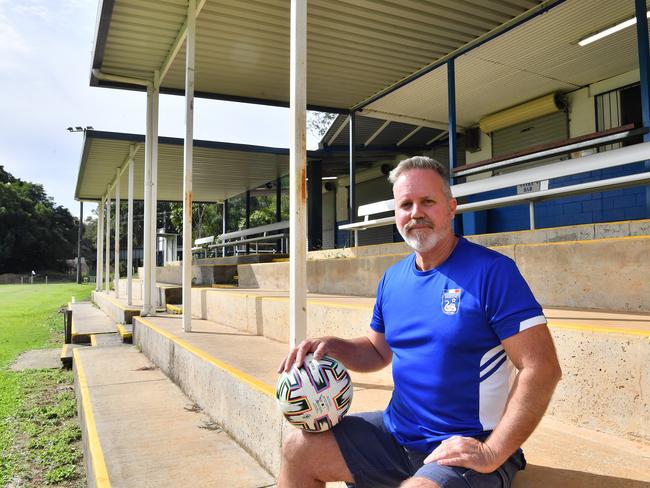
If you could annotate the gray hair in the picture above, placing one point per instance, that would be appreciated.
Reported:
(422, 162)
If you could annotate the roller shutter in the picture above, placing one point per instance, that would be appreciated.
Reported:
(520, 137)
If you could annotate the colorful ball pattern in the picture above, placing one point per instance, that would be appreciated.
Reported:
(315, 396)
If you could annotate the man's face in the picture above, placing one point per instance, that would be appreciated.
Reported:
(423, 212)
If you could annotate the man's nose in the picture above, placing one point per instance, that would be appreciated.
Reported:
(416, 211)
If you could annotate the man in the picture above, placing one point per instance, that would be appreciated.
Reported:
(458, 321)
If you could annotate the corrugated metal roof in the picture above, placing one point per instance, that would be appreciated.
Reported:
(536, 58)
(355, 47)
(220, 170)
(389, 135)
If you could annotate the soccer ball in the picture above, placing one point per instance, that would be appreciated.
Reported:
(315, 396)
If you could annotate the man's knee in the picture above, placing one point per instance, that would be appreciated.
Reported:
(293, 445)
(417, 482)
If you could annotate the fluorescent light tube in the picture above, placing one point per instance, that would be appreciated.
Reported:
(609, 31)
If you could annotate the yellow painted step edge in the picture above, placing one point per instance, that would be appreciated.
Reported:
(97, 454)
(174, 308)
(93, 340)
(124, 334)
(240, 375)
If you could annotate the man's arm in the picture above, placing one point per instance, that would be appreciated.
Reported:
(533, 354)
(364, 354)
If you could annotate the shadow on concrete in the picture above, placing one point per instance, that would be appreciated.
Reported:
(544, 477)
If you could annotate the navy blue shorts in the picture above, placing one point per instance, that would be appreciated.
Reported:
(376, 460)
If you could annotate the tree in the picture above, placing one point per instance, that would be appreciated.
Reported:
(35, 233)
(319, 122)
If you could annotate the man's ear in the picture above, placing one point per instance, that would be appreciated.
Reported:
(453, 203)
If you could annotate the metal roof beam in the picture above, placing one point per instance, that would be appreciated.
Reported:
(437, 137)
(408, 136)
(178, 44)
(434, 124)
(376, 133)
(337, 132)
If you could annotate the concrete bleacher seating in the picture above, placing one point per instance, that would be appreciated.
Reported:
(597, 429)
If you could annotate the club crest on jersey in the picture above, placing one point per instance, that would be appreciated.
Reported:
(451, 301)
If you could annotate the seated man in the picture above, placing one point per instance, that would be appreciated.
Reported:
(474, 365)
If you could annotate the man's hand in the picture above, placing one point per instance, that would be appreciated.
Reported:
(297, 356)
(465, 452)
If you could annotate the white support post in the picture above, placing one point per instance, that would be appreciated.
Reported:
(298, 175)
(100, 245)
(107, 278)
(116, 279)
(146, 239)
(187, 166)
(129, 234)
(531, 213)
(153, 300)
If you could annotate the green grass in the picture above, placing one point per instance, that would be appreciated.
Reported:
(39, 434)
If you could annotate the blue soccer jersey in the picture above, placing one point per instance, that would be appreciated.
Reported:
(445, 327)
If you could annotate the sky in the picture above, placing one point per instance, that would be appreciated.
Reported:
(45, 60)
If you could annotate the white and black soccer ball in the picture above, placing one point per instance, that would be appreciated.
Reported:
(315, 396)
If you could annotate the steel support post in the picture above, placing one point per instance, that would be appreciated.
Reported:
(453, 139)
(187, 166)
(99, 265)
(644, 69)
(107, 278)
(352, 199)
(224, 224)
(248, 217)
(153, 243)
(644, 61)
(116, 260)
(79, 234)
(315, 206)
(278, 210)
(531, 213)
(129, 234)
(146, 238)
(297, 174)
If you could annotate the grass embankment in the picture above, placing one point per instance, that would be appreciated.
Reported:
(39, 432)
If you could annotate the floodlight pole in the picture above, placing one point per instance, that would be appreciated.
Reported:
(116, 280)
(129, 233)
(297, 175)
(107, 278)
(187, 166)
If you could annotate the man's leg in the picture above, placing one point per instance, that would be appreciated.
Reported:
(419, 483)
(310, 459)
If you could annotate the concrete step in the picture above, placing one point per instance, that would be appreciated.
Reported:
(571, 271)
(604, 356)
(140, 430)
(66, 354)
(116, 308)
(87, 320)
(105, 340)
(166, 292)
(231, 373)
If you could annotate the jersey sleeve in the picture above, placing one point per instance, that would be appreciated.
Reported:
(377, 321)
(509, 303)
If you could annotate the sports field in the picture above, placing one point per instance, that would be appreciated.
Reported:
(39, 433)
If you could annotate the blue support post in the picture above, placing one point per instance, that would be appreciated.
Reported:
(644, 61)
(453, 140)
(644, 69)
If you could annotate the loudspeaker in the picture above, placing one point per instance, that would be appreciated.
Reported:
(473, 139)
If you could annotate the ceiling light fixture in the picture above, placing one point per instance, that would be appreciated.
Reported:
(609, 31)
